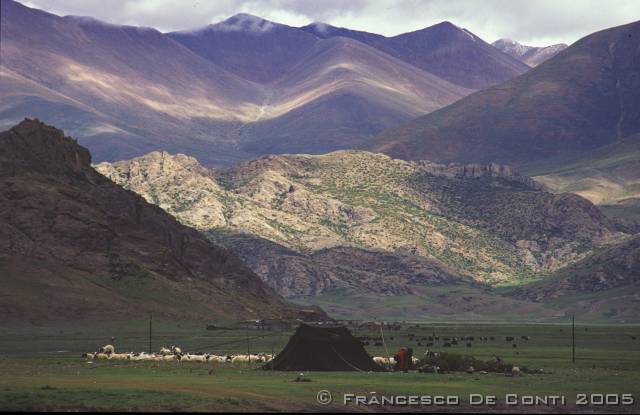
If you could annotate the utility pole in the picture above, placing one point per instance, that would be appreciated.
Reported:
(573, 338)
(150, 332)
(249, 349)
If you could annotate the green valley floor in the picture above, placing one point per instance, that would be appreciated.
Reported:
(43, 369)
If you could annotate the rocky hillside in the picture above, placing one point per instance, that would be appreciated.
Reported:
(606, 283)
(74, 244)
(339, 269)
(616, 266)
(483, 222)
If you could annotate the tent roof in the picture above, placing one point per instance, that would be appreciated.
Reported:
(324, 348)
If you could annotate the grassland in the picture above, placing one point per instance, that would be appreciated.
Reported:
(43, 369)
(454, 302)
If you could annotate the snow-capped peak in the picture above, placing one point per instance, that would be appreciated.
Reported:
(244, 22)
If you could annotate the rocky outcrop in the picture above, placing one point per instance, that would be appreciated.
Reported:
(475, 170)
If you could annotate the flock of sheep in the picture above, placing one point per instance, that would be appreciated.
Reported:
(174, 353)
(390, 361)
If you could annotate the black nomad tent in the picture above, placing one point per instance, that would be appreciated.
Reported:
(323, 349)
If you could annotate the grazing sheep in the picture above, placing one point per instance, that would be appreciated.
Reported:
(515, 371)
(176, 350)
(120, 356)
(89, 356)
(240, 359)
(384, 361)
(165, 351)
(217, 359)
(265, 357)
(108, 349)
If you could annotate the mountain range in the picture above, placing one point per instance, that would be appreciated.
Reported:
(99, 251)
(234, 90)
(424, 174)
(581, 99)
(445, 50)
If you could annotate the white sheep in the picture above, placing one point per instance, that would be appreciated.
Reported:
(195, 358)
(108, 349)
(165, 351)
(379, 360)
(217, 359)
(383, 361)
(515, 371)
(241, 358)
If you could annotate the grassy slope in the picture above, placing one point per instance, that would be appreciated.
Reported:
(580, 99)
(609, 177)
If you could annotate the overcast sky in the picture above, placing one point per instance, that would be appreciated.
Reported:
(533, 22)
